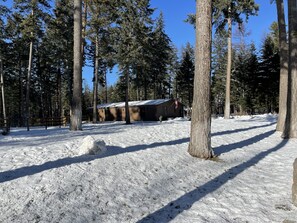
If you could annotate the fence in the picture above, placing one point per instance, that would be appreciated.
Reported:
(52, 121)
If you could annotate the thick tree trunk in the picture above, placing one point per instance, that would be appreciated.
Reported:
(76, 105)
(228, 75)
(283, 50)
(290, 130)
(128, 121)
(200, 141)
(95, 83)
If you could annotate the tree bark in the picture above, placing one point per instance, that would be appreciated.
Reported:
(128, 121)
(106, 87)
(21, 95)
(59, 92)
(200, 139)
(76, 105)
(291, 117)
(283, 51)
(3, 98)
(228, 75)
(95, 83)
(28, 86)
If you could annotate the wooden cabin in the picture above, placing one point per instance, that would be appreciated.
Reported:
(149, 110)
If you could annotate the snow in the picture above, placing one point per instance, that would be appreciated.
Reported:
(147, 175)
(90, 146)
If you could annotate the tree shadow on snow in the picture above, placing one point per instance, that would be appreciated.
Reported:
(112, 151)
(237, 145)
(115, 150)
(31, 170)
(241, 130)
(185, 202)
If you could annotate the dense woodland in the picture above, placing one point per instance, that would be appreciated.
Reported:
(36, 53)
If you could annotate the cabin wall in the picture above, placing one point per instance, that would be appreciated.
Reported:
(142, 113)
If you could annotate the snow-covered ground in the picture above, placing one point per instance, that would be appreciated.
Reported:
(146, 174)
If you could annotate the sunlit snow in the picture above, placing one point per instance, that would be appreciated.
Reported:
(147, 175)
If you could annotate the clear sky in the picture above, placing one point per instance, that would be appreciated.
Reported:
(176, 11)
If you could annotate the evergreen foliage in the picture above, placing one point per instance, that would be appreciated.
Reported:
(219, 63)
(185, 76)
(128, 38)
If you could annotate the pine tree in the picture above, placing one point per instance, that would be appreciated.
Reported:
(200, 140)
(59, 41)
(3, 12)
(76, 105)
(185, 76)
(133, 25)
(244, 79)
(219, 62)
(290, 130)
(283, 52)
(32, 26)
(161, 49)
(268, 77)
(229, 11)
(102, 16)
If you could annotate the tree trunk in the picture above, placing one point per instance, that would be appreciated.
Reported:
(283, 51)
(28, 86)
(76, 105)
(137, 83)
(290, 130)
(106, 88)
(95, 84)
(84, 26)
(127, 98)
(59, 92)
(200, 140)
(3, 98)
(228, 76)
(21, 95)
(145, 88)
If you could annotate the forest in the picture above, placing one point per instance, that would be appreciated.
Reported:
(37, 39)
(230, 162)
(156, 69)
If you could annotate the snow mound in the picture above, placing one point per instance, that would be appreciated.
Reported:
(91, 146)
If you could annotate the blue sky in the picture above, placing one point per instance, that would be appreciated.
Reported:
(176, 11)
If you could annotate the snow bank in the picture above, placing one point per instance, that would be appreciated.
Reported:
(91, 146)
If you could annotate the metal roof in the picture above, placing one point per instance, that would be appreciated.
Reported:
(133, 103)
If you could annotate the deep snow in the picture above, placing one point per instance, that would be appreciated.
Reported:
(146, 174)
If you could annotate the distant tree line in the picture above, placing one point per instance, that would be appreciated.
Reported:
(37, 55)
(37, 39)
(251, 76)
(254, 75)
